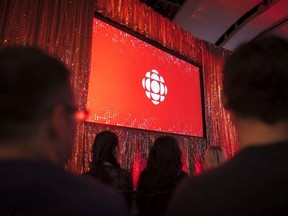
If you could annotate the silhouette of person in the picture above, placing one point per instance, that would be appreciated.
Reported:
(160, 177)
(105, 166)
(37, 129)
(254, 182)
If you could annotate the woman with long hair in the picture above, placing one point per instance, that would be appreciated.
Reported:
(160, 177)
(105, 166)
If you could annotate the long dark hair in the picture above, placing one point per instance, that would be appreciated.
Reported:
(164, 162)
(104, 145)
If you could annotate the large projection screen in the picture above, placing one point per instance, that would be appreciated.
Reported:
(137, 85)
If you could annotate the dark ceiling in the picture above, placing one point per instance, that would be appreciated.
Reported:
(226, 23)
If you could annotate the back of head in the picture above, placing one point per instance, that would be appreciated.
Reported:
(255, 80)
(30, 85)
(214, 157)
(104, 146)
(164, 160)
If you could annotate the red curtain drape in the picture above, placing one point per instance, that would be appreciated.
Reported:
(64, 29)
(220, 130)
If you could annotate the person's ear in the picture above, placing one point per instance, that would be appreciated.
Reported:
(60, 138)
(56, 123)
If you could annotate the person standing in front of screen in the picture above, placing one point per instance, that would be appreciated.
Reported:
(255, 181)
(105, 166)
(160, 177)
(37, 130)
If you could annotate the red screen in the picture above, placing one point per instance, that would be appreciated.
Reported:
(134, 84)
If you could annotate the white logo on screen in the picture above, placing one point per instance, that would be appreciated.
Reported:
(154, 86)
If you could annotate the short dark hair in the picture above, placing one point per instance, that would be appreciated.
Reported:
(255, 80)
(105, 143)
(30, 82)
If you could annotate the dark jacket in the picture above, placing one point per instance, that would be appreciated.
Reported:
(116, 177)
(38, 188)
(253, 183)
(153, 201)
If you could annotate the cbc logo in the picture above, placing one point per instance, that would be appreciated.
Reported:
(155, 87)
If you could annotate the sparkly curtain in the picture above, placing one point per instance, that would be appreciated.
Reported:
(220, 130)
(64, 29)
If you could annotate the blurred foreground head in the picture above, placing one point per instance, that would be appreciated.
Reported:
(36, 112)
(255, 80)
